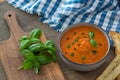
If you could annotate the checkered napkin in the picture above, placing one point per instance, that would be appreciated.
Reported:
(59, 14)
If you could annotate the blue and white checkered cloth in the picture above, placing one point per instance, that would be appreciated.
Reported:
(59, 14)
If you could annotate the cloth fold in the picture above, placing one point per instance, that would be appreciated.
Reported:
(59, 14)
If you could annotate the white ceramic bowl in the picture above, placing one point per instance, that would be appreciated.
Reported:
(82, 67)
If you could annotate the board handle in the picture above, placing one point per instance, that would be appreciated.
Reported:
(15, 29)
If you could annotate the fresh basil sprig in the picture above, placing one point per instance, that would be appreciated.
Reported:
(35, 52)
(92, 41)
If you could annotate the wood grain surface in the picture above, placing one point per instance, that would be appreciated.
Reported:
(12, 59)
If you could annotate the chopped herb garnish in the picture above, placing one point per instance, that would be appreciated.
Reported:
(83, 58)
(94, 52)
(91, 34)
(68, 46)
(93, 43)
(76, 40)
(72, 54)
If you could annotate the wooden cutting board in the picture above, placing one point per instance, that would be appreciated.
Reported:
(12, 59)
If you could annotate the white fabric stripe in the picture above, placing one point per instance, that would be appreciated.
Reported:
(116, 21)
(26, 6)
(76, 5)
(112, 6)
(66, 12)
(67, 21)
(92, 8)
(97, 19)
(58, 9)
(50, 7)
(31, 9)
(70, 17)
(38, 10)
(19, 3)
(10, 1)
(90, 16)
(106, 21)
(53, 16)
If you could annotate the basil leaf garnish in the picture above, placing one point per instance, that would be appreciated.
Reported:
(91, 34)
(93, 43)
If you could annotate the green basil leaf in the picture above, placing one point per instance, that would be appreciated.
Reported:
(26, 52)
(50, 48)
(91, 34)
(54, 58)
(31, 58)
(27, 65)
(44, 59)
(25, 43)
(52, 53)
(28, 55)
(24, 38)
(93, 43)
(35, 33)
(36, 40)
(49, 43)
(34, 47)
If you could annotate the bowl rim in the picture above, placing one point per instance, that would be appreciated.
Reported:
(81, 24)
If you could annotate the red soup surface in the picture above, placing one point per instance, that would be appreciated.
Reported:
(84, 45)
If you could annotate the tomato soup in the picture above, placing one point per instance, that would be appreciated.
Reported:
(84, 45)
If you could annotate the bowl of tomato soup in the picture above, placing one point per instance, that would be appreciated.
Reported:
(83, 46)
